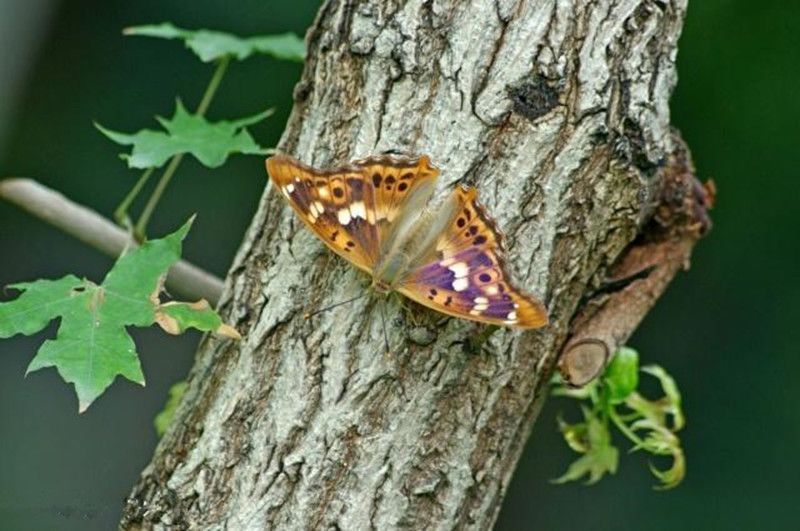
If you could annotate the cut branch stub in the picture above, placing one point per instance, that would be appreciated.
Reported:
(583, 361)
(606, 320)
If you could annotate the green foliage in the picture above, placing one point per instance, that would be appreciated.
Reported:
(162, 420)
(622, 375)
(592, 439)
(177, 317)
(92, 346)
(190, 133)
(212, 45)
(651, 425)
(210, 143)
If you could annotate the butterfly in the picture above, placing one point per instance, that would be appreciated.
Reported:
(374, 213)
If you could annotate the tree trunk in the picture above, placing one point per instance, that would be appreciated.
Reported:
(557, 111)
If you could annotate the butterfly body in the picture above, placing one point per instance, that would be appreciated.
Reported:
(374, 213)
(410, 244)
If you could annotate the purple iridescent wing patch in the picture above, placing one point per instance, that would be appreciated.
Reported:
(467, 277)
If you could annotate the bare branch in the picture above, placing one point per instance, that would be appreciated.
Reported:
(96, 231)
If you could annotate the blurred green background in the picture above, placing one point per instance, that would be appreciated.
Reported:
(727, 330)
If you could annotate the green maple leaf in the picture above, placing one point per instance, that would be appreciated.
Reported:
(209, 142)
(212, 45)
(92, 346)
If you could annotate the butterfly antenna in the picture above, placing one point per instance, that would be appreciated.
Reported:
(383, 320)
(309, 315)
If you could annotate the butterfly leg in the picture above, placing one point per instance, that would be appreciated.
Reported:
(383, 322)
(309, 315)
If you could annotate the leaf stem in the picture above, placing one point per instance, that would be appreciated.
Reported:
(121, 212)
(629, 433)
(213, 85)
(140, 231)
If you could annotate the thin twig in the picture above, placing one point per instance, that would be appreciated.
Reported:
(88, 226)
(121, 212)
(140, 230)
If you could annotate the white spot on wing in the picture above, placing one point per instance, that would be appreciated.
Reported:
(460, 284)
(357, 210)
(324, 193)
(481, 303)
(491, 290)
(460, 269)
(344, 216)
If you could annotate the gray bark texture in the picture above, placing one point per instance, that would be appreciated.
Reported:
(557, 111)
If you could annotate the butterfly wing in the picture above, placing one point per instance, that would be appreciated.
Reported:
(464, 274)
(352, 208)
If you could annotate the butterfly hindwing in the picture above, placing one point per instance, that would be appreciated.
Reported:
(465, 276)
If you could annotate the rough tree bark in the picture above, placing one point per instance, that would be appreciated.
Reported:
(557, 110)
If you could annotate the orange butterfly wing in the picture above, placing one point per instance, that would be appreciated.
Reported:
(351, 208)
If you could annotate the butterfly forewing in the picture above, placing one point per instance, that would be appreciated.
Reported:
(351, 208)
(402, 187)
(464, 274)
